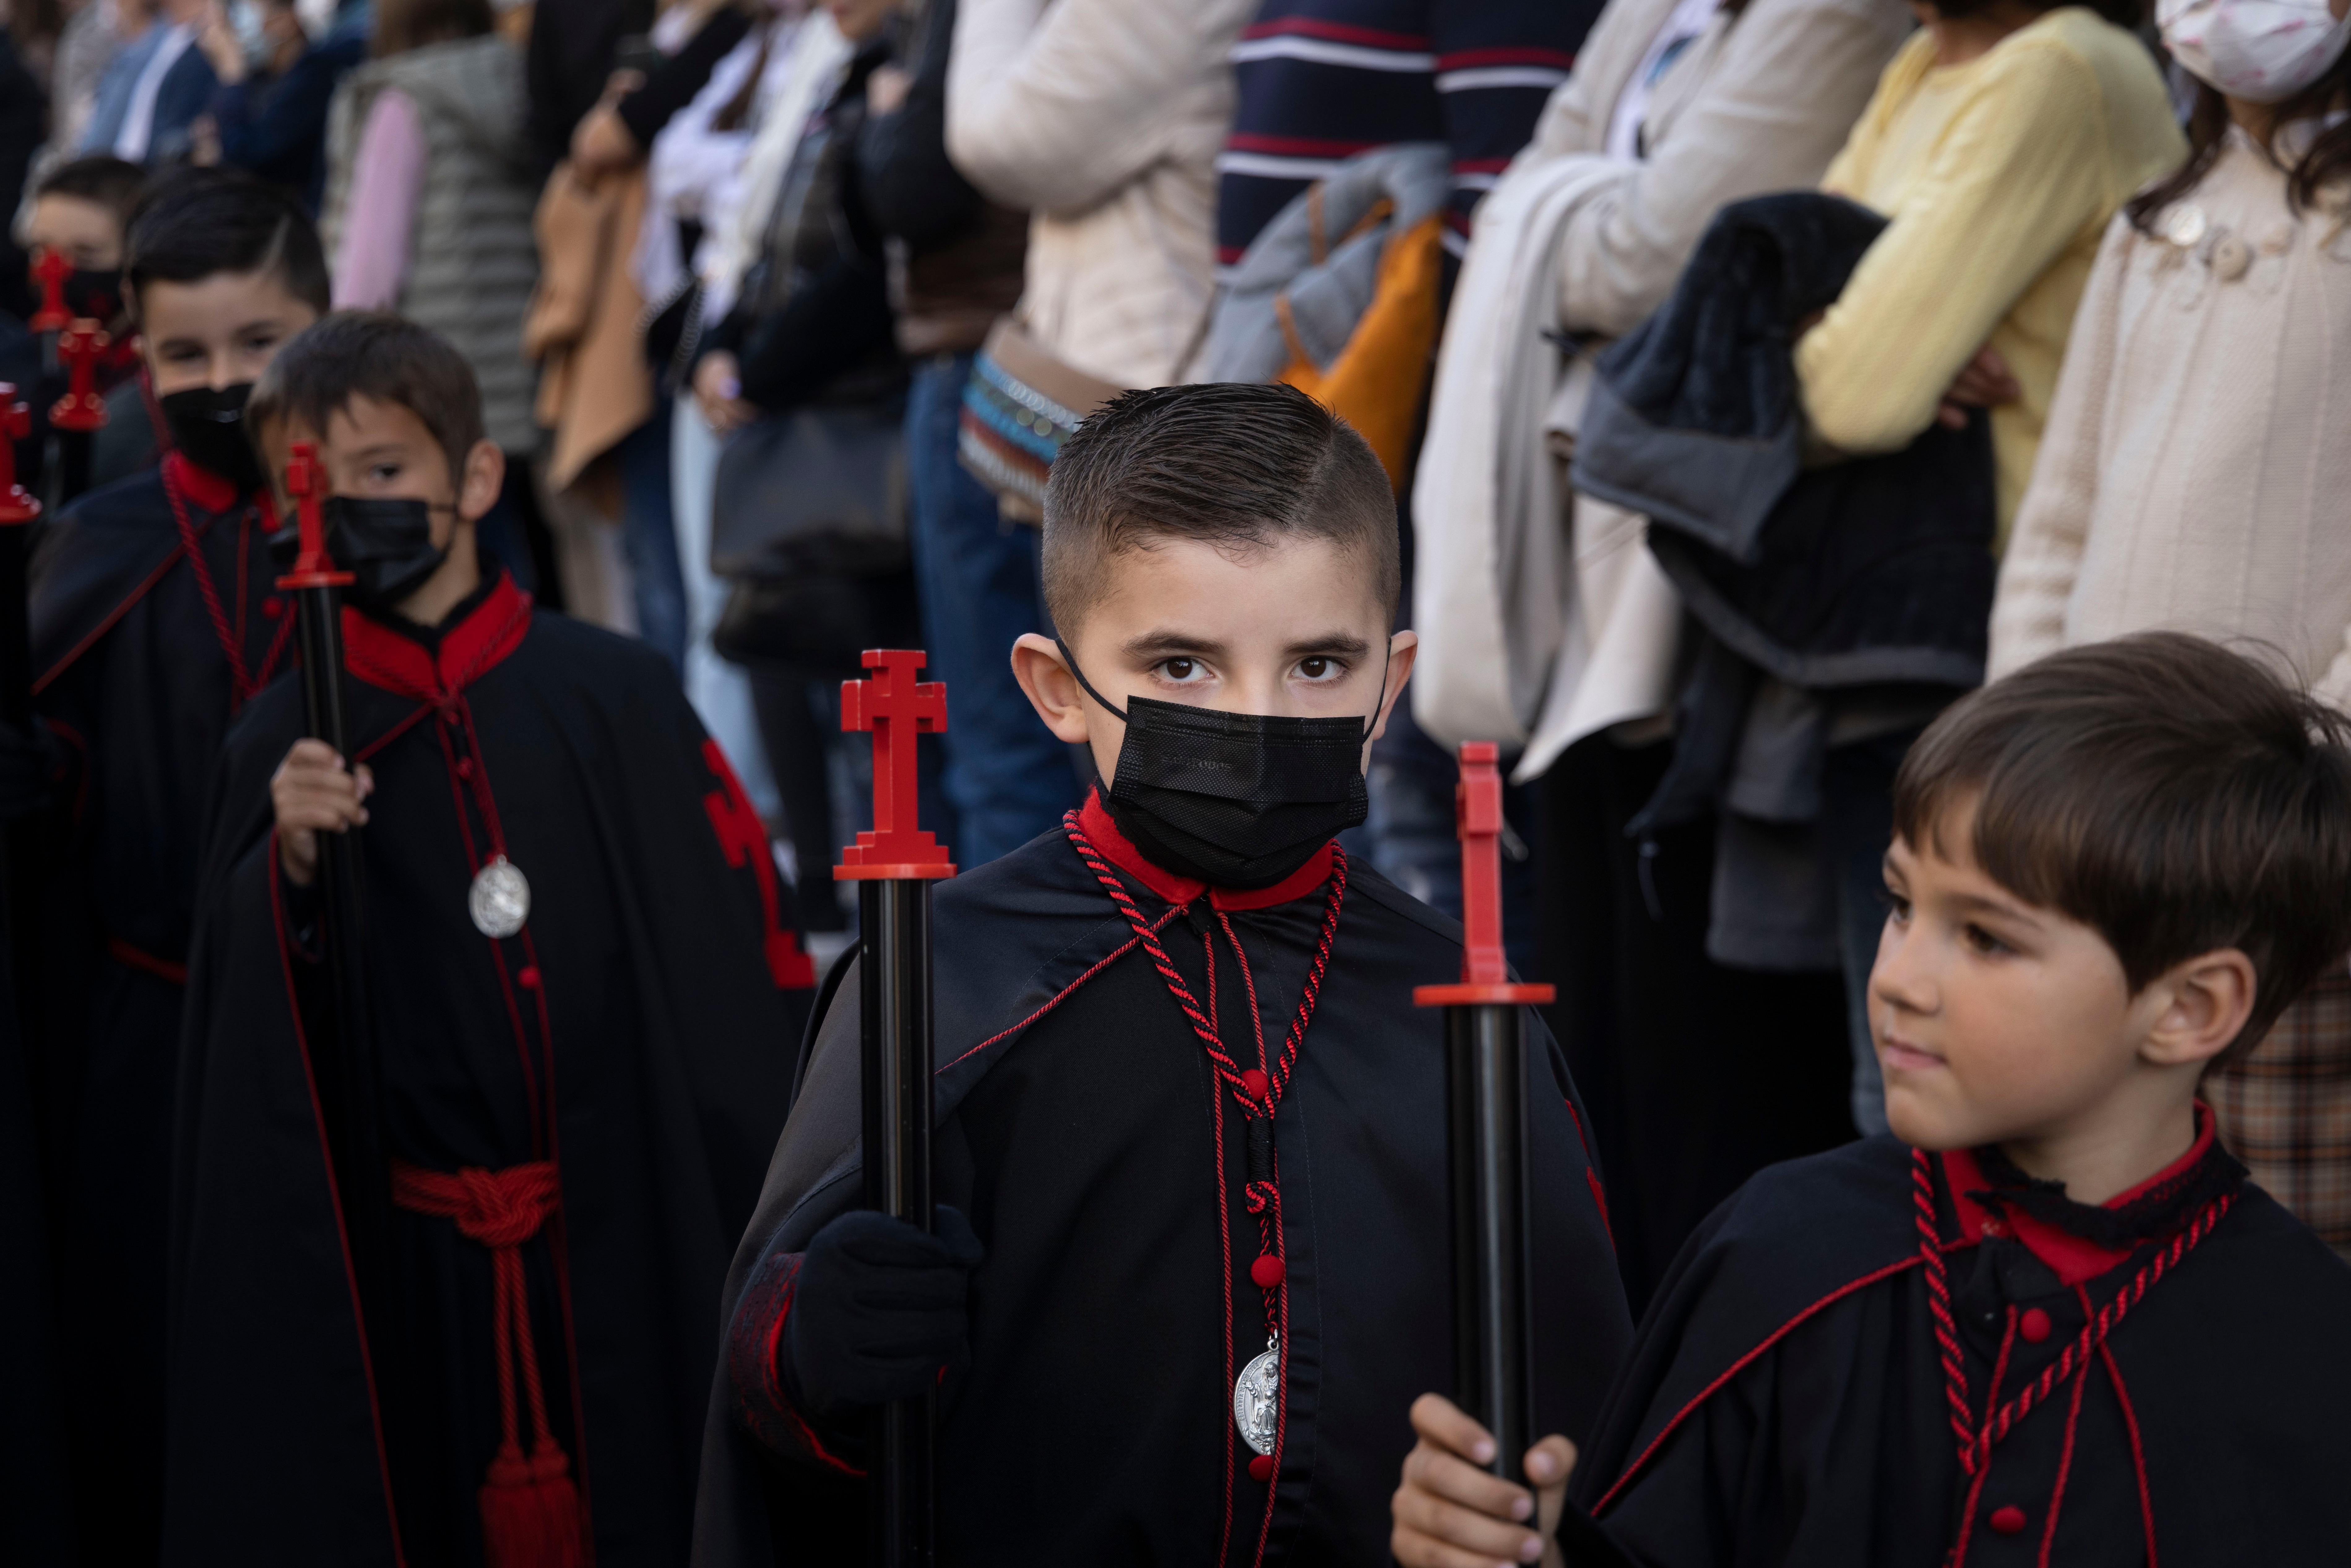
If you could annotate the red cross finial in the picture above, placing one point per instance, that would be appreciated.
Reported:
(50, 269)
(896, 708)
(17, 503)
(1478, 809)
(81, 409)
(313, 568)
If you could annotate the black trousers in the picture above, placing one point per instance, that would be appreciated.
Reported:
(1697, 1076)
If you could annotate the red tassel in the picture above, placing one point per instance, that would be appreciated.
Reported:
(530, 1511)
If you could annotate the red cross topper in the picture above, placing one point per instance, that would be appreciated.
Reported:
(896, 708)
(1478, 810)
(81, 409)
(50, 269)
(17, 503)
(313, 566)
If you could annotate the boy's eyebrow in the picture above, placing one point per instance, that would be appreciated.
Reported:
(1329, 645)
(1152, 646)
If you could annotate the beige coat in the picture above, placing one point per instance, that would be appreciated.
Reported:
(2195, 475)
(1102, 118)
(583, 330)
(1542, 616)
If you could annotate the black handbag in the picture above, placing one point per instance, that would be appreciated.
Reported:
(819, 491)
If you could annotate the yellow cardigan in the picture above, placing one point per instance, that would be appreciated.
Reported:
(1998, 176)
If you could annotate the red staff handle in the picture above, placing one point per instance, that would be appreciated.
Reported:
(81, 410)
(17, 503)
(50, 269)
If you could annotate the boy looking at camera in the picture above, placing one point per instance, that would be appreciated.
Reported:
(154, 621)
(2047, 1320)
(1191, 1253)
(583, 991)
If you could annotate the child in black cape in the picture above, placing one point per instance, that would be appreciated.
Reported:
(153, 623)
(2048, 1321)
(1190, 1127)
(584, 992)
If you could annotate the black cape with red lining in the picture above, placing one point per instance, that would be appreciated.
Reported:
(1786, 1402)
(132, 675)
(672, 1038)
(1095, 1422)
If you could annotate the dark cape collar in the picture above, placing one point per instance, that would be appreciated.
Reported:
(2079, 1242)
(1116, 848)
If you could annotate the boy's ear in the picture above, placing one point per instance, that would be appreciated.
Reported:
(2210, 997)
(479, 483)
(1052, 690)
(1404, 647)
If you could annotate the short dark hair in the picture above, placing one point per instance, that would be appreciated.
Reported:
(115, 184)
(404, 25)
(2128, 14)
(198, 223)
(2174, 796)
(1233, 465)
(377, 355)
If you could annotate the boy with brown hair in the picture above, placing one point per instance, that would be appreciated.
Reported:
(2047, 1319)
(1192, 1251)
(583, 989)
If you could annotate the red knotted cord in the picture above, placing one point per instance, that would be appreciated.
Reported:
(1975, 1444)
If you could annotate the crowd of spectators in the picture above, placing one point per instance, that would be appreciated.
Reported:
(781, 309)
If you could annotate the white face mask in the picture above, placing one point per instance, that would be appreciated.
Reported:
(2264, 51)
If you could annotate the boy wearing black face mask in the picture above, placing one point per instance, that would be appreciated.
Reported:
(583, 987)
(1190, 1126)
(154, 622)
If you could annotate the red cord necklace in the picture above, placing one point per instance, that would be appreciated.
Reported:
(242, 684)
(1257, 1393)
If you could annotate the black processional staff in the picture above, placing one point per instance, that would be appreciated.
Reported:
(1486, 1134)
(895, 866)
(346, 1068)
(17, 509)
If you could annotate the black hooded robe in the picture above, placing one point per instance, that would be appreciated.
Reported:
(1788, 1402)
(1100, 1161)
(657, 987)
(131, 640)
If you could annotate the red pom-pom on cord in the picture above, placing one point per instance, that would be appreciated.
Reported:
(1266, 1271)
(1255, 1084)
(530, 1511)
(1261, 1468)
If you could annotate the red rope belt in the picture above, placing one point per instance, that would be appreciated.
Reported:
(530, 1509)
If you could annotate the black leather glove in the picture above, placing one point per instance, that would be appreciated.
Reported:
(877, 1309)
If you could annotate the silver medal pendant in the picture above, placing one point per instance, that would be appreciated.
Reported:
(500, 900)
(1257, 1399)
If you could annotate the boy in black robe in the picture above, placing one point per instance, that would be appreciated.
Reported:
(154, 622)
(585, 994)
(1190, 1127)
(2048, 1321)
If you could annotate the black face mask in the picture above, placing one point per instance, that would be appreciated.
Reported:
(1233, 799)
(385, 543)
(94, 293)
(208, 427)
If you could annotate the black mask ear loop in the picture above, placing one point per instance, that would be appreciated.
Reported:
(1069, 660)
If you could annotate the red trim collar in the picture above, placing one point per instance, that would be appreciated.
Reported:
(2073, 1259)
(490, 631)
(202, 485)
(1181, 890)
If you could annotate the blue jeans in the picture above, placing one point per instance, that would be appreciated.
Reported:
(649, 533)
(1006, 777)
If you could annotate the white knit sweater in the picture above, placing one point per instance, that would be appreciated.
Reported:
(2195, 475)
(1103, 118)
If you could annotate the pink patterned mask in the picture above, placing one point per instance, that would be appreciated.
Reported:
(2263, 51)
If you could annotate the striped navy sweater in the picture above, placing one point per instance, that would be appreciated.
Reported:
(1321, 80)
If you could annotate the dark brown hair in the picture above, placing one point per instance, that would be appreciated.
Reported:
(197, 223)
(2124, 14)
(404, 25)
(2324, 162)
(104, 181)
(2177, 798)
(1230, 465)
(377, 355)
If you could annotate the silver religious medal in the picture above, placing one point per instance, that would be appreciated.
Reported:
(1256, 1398)
(500, 900)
